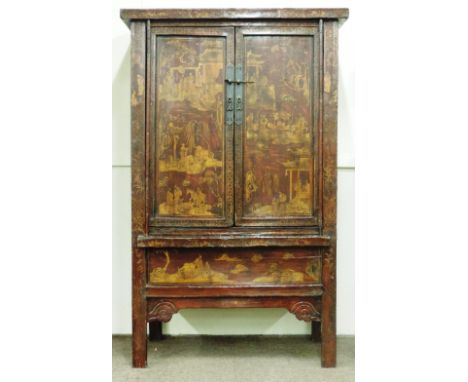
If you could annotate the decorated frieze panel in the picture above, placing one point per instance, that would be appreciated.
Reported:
(253, 266)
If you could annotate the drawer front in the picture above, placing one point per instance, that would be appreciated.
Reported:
(253, 266)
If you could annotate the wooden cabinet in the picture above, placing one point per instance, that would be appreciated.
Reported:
(234, 164)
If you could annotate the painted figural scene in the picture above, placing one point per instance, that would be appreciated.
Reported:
(190, 120)
(277, 139)
(236, 266)
(278, 160)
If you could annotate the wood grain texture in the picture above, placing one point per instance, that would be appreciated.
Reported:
(232, 14)
(232, 239)
(330, 103)
(234, 291)
(138, 81)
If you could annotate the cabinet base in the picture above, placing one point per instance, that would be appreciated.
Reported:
(305, 308)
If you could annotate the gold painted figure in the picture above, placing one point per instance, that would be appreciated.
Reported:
(195, 272)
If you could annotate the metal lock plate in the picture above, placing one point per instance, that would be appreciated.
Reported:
(239, 112)
(229, 94)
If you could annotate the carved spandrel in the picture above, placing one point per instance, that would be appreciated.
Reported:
(305, 311)
(162, 311)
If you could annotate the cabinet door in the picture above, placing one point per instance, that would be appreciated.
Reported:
(190, 133)
(277, 159)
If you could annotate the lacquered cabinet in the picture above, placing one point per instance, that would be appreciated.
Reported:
(234, 165)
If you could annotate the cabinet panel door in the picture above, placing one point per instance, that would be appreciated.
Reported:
(277, 158)
(190, 143)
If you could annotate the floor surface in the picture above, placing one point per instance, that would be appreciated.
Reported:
(229, 359)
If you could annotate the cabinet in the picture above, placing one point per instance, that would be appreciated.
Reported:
(234, 117)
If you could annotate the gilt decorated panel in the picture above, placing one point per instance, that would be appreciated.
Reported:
(191, 165)
(281, 266)
(278, 132)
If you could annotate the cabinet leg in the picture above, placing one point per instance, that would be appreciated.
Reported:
(139, 347)
(155, 331)
(316, 331)
(329, 352)
(328, 316)
(328, 332)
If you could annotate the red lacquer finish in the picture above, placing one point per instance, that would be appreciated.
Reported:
(234, 141)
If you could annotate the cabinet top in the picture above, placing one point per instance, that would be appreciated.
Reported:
(129, 15)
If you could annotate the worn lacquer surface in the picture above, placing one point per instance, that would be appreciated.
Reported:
(235, 266)
(234, 14)
(277, 161)
(330, 104)
(138, 80)
(278, 126)
(190, 126)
